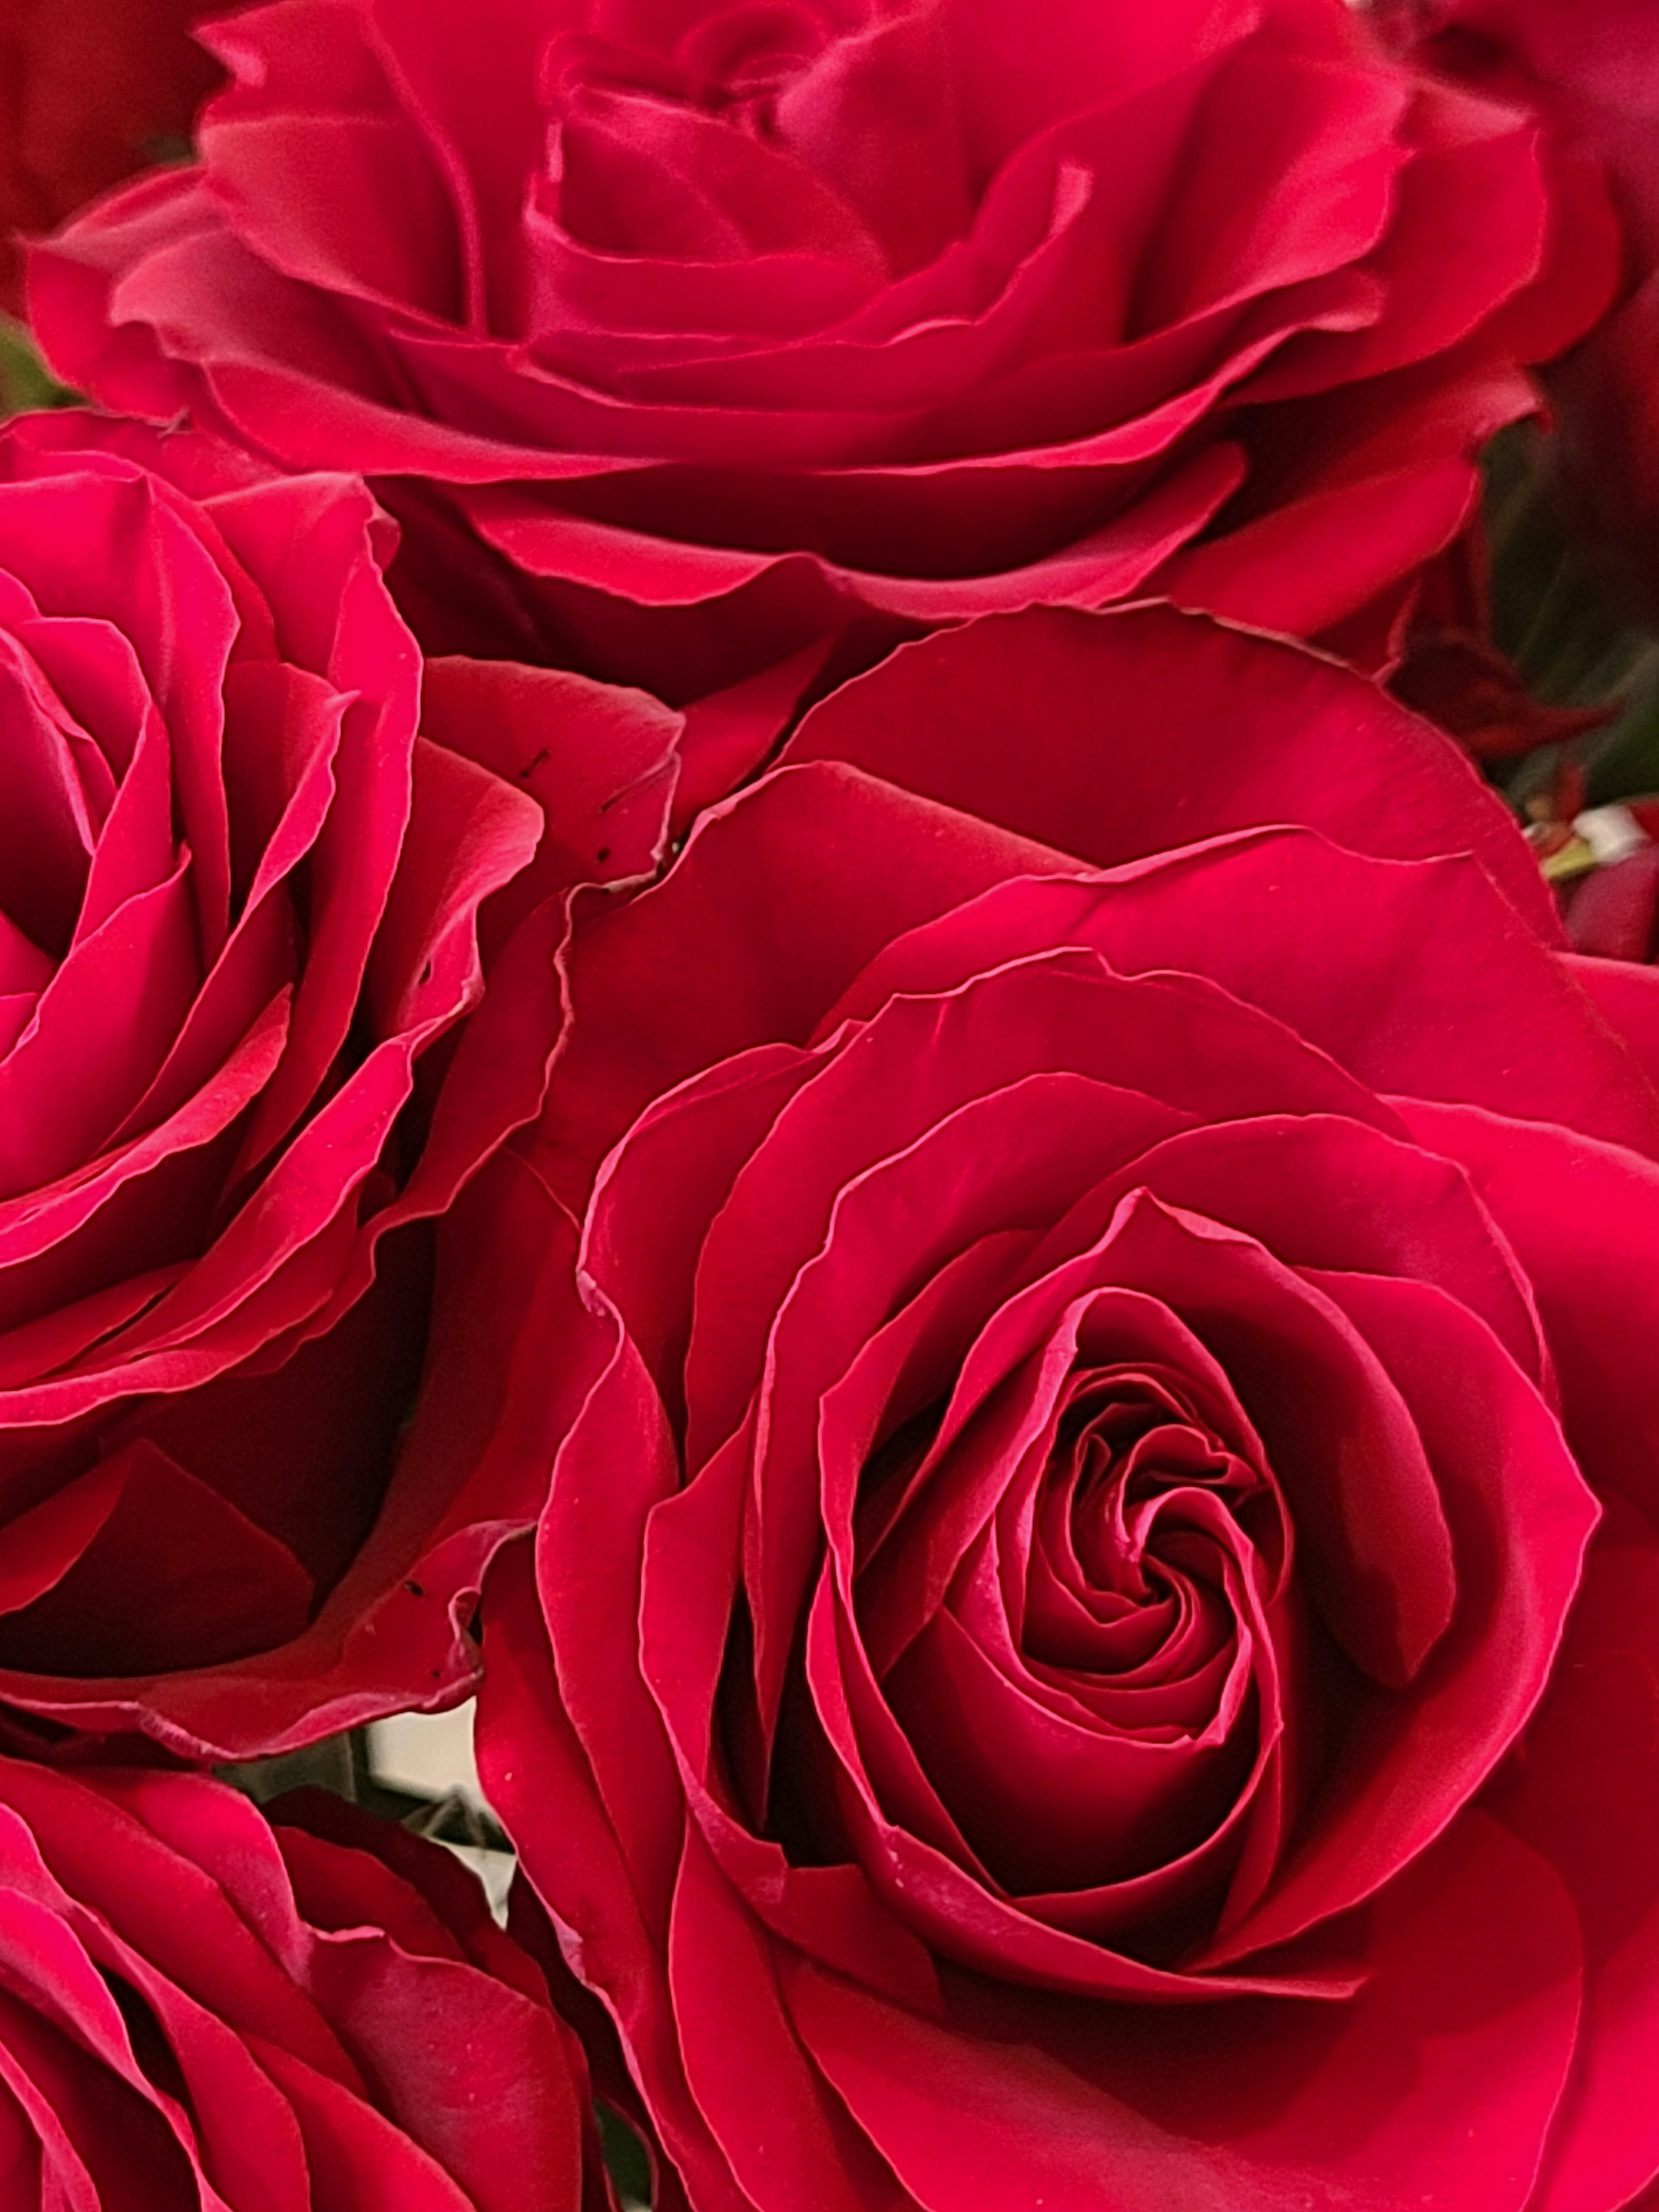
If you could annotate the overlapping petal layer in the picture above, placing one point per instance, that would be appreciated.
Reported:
(726, 332)
(318, 2016)
(242, 898)
(1071, 1540)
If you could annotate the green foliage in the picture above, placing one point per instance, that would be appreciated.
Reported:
(625, 2157)
(26, 382)
(1556, 614)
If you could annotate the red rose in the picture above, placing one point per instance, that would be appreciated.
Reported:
(202, 2010)
(90, 90)
(728, 330)
(1593, 68)
(1613, 909)
(1093, 1635)
(240, 903)
(1615, 912)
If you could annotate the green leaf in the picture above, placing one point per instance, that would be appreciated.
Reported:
(1556, 614)
(26, 382)
(625, 2157)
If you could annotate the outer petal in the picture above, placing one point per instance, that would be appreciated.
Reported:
(289, 2021)
(1475, 1975)
(1230, 732)
(1585, 1791)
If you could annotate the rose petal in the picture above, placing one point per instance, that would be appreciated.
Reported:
(1237, 734)
(1475, 1973)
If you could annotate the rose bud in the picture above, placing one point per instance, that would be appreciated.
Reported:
(1610, 905)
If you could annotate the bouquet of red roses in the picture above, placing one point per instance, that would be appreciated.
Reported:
(829, 900)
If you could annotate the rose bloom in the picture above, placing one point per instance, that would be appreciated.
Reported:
(239, 923)
(90, 90)
(1593, 69)
(1093, 1639)
(201, 2010)
(1594, 66)
(728, 331)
